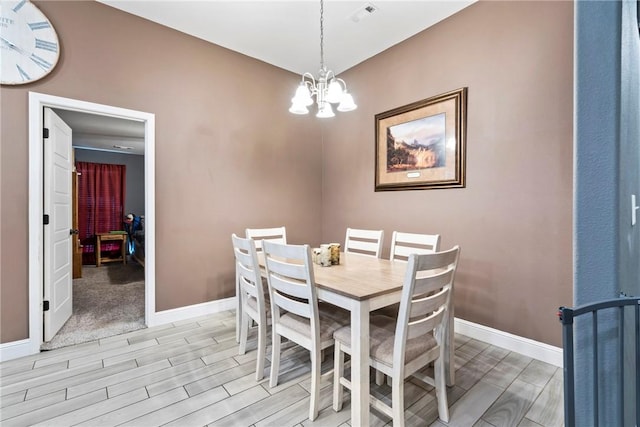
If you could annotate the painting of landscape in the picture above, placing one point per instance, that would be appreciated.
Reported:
(417, 144)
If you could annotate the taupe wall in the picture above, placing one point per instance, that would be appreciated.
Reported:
(513, 220)
(227, 155)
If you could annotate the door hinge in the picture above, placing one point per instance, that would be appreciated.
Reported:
(45, 305)
(46, 219)
(45, 133)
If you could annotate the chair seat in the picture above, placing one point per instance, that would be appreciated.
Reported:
(252, 302)
(382, 334)
(331, 319)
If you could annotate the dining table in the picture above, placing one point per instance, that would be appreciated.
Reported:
(362, 284)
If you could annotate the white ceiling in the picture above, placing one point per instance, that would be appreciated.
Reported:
(282, 33)
(287, 33)
(95, 132)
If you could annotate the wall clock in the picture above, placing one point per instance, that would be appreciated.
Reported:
(29, 48)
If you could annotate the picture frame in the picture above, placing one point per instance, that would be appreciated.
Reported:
(422, 145)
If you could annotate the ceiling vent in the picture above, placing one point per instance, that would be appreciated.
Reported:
(364, 11)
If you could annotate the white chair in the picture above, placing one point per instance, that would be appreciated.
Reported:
(252, 298)
(405, 244)
(402, 347)
(277, 234)
(295, 312)
(364, 242)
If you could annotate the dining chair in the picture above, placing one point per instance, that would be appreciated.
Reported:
(276, 234)
(252, 298)
(405, 244)
(364, 242)
(296, 313)
(402, 347)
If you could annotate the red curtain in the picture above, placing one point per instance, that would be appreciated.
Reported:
(101, 194)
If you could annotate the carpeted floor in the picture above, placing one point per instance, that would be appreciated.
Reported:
(107, 301)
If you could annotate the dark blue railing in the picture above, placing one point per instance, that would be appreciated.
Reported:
(566, 317)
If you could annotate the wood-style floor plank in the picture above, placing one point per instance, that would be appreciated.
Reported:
(470, 407)
(80, 379)
(548, 408)
(264, 408)
(110, 380)
(136, 410)
(212, 413)
(52, 377)
(100, 408)
(509, 409)
(51, 411)
(190, 374)
(181, 409)
(153, 377)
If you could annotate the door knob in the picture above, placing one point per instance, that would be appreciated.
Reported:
(74, 231)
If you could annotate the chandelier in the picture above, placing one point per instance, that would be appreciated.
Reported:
(328, 89)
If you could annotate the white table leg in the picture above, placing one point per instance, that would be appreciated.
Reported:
(360, 364)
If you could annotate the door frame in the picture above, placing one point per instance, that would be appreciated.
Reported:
(37, 103)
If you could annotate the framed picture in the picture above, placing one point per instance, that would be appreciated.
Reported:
(422, 145)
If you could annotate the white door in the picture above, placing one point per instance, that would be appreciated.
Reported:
(58, 290)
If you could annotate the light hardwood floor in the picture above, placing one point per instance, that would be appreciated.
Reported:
(190, 374)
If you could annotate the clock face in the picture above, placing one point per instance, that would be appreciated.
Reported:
(29, 46)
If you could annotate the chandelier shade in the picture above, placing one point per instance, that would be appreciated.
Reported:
(327, 88)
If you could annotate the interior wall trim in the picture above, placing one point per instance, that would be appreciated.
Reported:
(37, 103)
(528, 347)
(16, 349)
(534, 349)
(191, 311)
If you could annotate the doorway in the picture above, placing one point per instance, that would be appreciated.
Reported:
(37, 250)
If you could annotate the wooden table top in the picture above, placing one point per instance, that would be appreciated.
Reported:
(359, 277)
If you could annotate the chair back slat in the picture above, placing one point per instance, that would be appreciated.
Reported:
(426, 325)
(424, 307)
(364, 242)
(276, 234)
(428, 284)
(289, 285)
(247, 269)
(405, 244)
(291, 305)
(439, 260)
(284, 267)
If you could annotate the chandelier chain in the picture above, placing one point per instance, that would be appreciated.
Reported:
(321, 34)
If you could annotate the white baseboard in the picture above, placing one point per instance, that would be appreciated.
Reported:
(534, 349)
(16, 349)
(191, 311)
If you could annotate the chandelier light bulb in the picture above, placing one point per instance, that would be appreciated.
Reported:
(303, 96)
(347, 104)
(334, 93)
(298, 109)
(325, 111)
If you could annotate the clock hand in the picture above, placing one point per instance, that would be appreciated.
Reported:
(14, 47)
